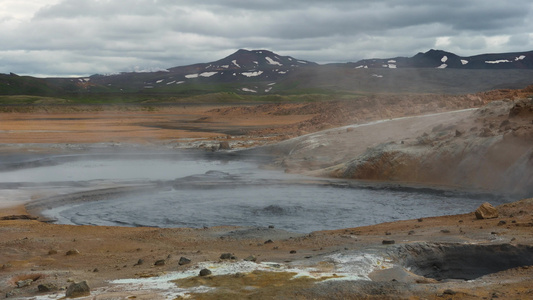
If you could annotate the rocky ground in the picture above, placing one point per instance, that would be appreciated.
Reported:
(426, 258)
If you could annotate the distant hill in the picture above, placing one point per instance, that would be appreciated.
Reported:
(263, 72)
(442, 59)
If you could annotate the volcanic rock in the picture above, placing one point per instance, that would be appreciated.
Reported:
(24, 283)
(73, 252)
(79, 289)
(225, 256)
(184, 261)
(205, 272)
(47, 287)
(160, 262)
(251, 258)
(486, 211)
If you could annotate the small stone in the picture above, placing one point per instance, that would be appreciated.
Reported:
(79, 289)
(139, 262)
(160, 262)
(73, 252)
(251, 258)
(184, 261)
(388, 233)
(24, 283)
(10, 294)
(445, 231)
(486, 211)
(47, 287)
(205, 272)
(293, 252)
(95, 270)
(420, 220)
(411, 232)
(225, 256)
(449, 292)
(271, 226)
(269, 242)
(388, 242)
(501, 223)
(52, 252)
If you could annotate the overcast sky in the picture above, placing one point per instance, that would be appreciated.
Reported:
(84, 37)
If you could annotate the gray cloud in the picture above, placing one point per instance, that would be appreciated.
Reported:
(70, 37)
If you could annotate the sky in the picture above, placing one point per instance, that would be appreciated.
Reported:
(48, 38)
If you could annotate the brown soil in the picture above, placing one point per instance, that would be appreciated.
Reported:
(30, 249)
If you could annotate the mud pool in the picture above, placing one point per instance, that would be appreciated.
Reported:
(177, 190)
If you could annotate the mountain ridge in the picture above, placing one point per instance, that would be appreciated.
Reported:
(264, 72)
(442, 59)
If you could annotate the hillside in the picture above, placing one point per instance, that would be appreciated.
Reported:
(264, 73)
(442, 60)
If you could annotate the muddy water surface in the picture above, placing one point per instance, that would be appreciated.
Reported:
(197, 191)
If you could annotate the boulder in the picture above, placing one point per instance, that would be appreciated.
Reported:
(78, 289)
(486, 211)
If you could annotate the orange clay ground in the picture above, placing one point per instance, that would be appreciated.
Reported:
(30, 249)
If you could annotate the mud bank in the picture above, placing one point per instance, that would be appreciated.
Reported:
(489, 149)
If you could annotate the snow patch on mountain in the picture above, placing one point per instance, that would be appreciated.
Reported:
(252, 74)
(235, 63)
(248, 90)
(497, 61)
(208, 74)
(272, 62)
(190, 76)
(464, 61)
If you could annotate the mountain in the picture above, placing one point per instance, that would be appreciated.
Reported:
(442, 60)
(241, 67)
(262, 72)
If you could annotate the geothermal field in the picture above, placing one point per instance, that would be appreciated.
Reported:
(331, 199)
